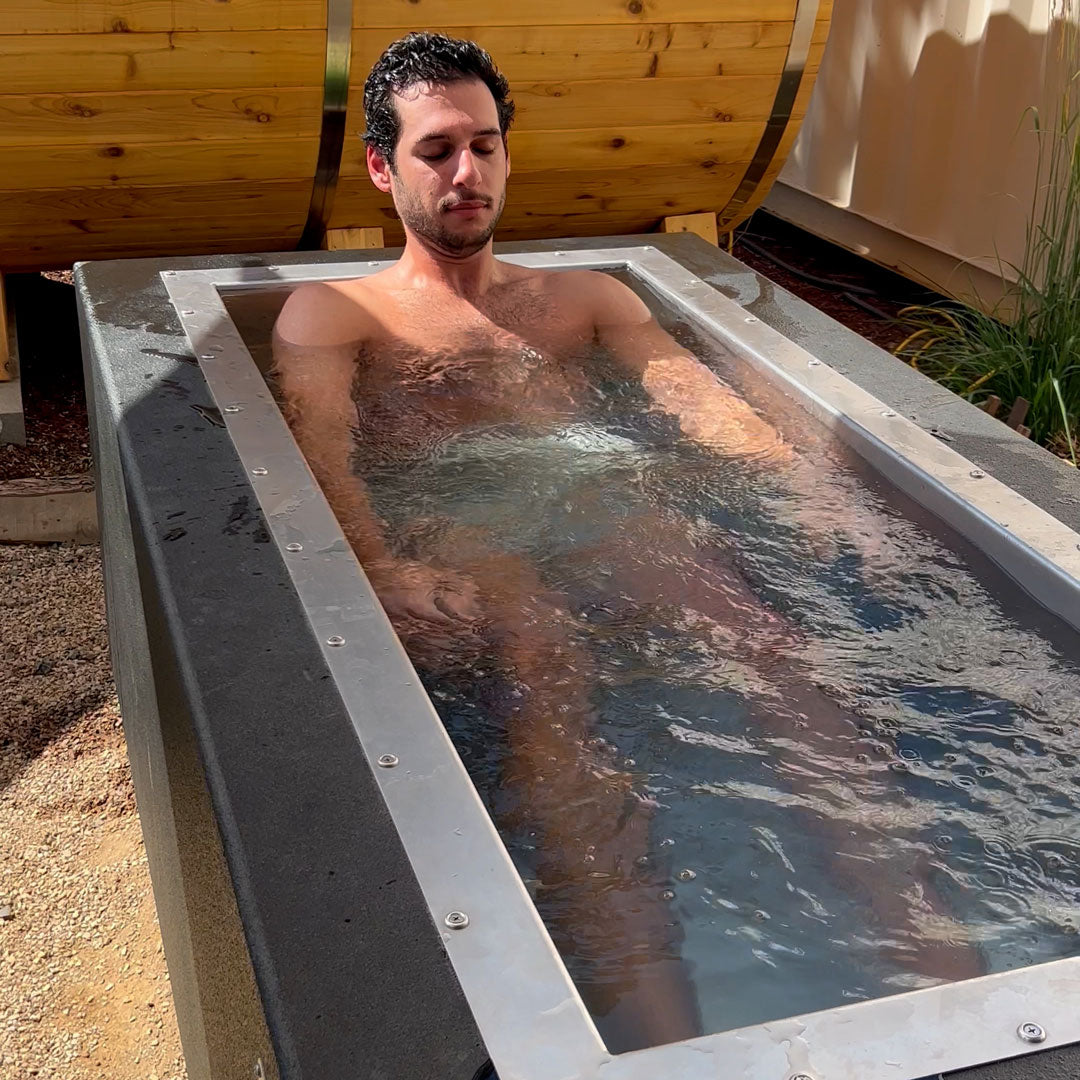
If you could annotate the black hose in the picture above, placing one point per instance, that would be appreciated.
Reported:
(851, 298)
(828, 283)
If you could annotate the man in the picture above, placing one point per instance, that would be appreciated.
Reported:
(447, 342)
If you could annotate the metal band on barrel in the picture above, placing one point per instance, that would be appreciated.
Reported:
(802, 33)
(332, 133)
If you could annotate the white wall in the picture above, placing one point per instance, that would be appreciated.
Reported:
(917, 124)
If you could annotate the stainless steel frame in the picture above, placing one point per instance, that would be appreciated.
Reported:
(334, 111)
(528, 1011)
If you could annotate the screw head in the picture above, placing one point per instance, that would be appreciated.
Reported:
(206, 356)
(815, 363)
(1031, 1032)
(457, 920)
(233, 408)
(335, 641)
(801, 1076)
(751, 318)
(976, 474)
(259, 471)
(558, 253)
(888, 412)
(294, 547)
(187, 311)
(388, 761)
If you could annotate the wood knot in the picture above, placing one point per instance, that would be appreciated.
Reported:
(111, 151)
(724, 117)
(635, 7)
(263, 117)
(119, 26)
(74, 108)
(618, 142)
(709, 163)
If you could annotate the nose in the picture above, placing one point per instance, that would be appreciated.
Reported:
(466, 174)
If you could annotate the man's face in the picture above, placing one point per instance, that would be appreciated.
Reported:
(449, 179)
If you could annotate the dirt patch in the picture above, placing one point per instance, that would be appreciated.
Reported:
(84, 991)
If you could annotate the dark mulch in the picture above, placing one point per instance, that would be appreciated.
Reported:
(860, 294)
(50, 365)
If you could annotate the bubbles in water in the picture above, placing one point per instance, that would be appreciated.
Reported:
(667, 894)
(686, 875)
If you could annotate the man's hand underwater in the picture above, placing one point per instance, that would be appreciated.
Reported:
(415, 590)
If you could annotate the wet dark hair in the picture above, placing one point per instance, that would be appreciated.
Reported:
(425, 57)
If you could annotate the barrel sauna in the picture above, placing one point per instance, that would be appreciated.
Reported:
(150, 127)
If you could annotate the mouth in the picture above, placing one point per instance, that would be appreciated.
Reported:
(469, 206)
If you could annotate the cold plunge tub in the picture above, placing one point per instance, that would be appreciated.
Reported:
(297, 880)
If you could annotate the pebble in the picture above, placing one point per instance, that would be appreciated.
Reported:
(72, 862)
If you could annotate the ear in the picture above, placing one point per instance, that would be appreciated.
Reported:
(378, 169)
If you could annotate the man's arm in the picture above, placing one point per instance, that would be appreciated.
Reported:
(317, 341)
(315, 365)
(712, 414)
(708, 411)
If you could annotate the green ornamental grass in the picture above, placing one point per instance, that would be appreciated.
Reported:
(1028, 345)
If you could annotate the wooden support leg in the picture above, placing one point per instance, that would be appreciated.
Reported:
(704, 225)
(341, 239)
(6, 364)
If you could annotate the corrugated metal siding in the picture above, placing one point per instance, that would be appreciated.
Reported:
(917, 121)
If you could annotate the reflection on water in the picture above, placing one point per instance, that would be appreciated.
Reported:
(851, 759)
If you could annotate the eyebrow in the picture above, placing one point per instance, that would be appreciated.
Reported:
(443, 135)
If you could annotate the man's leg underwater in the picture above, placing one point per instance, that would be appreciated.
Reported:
(594, 828)
(664, 568)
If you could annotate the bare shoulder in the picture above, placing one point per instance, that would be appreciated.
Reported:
(607, 299)
(325, 315)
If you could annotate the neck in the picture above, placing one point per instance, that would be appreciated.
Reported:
(423, 266)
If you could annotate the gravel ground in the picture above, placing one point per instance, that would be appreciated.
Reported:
(84, 992)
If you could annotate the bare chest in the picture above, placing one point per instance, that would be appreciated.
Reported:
(463, 367)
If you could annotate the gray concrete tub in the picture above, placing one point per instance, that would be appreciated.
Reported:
(311, 924)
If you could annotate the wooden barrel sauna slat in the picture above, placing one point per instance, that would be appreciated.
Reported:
(421, 14)
(164, 116)
(133, 16)
(227, 200)
(143, 126)
(550, 53)
(111, 165)
(612, 148)
(601, 103)
(551, 106)
(89, 63)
